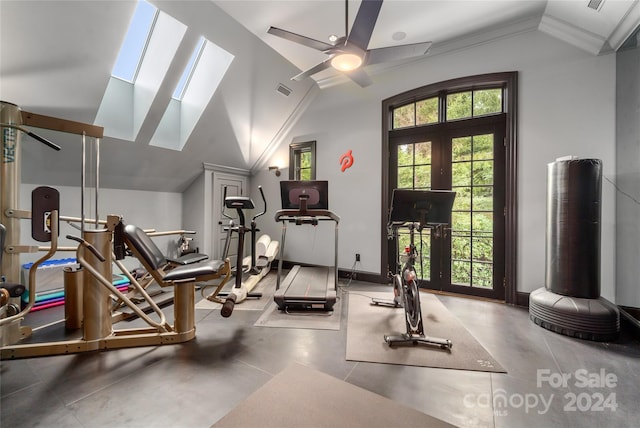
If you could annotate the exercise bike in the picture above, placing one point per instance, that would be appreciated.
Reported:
(249, 270)
(406, 208)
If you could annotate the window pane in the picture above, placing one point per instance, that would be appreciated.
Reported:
(423, 266)
(483, 249)
(462, 202)
(461, 248)
(482, 223)
(483, 172)
(302, 161)
(461, 221)
(483, 275)
(305, 159)
(483, 146)
(404, 116)
(461, 174)
(133, 46)
(461, 149)
(405, 154)
(482, 198)
(423, 153)
(487, 101)
(427, 111)
(188, 70)
(305, 174)
(405, 177)
(422, 177)
(403, 242)
(458, 105)
(461, 272)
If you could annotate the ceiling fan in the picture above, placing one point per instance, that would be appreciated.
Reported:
(349, 54)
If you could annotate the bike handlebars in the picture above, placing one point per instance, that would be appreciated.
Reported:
(224, 197)
(264, 202)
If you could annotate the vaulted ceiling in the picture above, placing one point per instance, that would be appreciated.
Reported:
(56, 59)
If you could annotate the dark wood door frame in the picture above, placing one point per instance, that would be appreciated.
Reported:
(509, 82)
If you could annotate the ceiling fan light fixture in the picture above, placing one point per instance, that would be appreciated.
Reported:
(346, 61)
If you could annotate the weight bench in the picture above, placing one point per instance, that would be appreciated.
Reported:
(152, 259)
(144, 278)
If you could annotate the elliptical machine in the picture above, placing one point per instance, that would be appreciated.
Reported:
(249, 270)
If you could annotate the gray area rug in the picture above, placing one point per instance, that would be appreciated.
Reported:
(315, 320)
(301, 397)
(367, 324)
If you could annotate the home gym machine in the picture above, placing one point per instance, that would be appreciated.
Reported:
(14, 123)
(309, 287)
(97, 252)
(414, 210)
(249, 271)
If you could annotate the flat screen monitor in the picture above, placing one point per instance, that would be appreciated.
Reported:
(316, 191)
(422, 206)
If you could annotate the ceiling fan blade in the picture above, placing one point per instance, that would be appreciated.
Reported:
(394, 53)
(297, 38)
(360, 77)
(364, 23)
(313, 70)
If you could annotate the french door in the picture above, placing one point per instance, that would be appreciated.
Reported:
(468, 157)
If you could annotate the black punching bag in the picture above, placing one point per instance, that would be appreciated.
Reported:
(570, 301)
(574, 190)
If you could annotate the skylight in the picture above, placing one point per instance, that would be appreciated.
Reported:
(181, 116)
(154, 53)
(132, 49)
(188, 70)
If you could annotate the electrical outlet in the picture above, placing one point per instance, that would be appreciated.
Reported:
(357, 257)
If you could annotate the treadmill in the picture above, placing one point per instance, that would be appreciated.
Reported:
(306, 287)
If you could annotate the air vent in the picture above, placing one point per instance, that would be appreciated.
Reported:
(595, 4)
(283, 90)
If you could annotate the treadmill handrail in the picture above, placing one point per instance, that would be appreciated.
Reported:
(284, 215)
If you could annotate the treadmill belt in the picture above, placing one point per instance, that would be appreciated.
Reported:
(308, 283)
(307, 286)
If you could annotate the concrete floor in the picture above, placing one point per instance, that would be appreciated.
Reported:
(197, 383)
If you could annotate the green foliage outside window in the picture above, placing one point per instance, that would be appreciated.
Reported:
(427, 111)
(404, 116)
(301, 160)
(305, 165)
(459, 105)
(472, 218)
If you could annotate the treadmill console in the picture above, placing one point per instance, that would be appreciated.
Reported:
(295, 193)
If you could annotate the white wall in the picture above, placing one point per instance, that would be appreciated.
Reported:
(566, 106)
(628, 178)
(193, 211)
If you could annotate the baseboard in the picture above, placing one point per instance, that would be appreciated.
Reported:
(634, 312)
(522, 299)
(363, 276)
